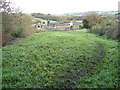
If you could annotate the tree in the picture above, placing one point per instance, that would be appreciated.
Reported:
(91, 20)
(86, 23)
(48, 22)
(5, 6)
(14, 23)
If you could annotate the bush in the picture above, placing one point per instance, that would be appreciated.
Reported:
(98, 29)
(86, 24)
(91, 20)
(110, 31)
(15, 25)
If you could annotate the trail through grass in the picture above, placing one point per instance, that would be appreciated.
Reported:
(61, 60)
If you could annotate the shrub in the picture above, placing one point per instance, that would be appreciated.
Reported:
(108, 30)
(112, 31)
(91, 20)
(15, 25)
(98, 29)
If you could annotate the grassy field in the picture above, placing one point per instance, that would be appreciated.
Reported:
(61, 59)
(79, 21)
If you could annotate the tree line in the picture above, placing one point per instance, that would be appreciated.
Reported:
(103, 27)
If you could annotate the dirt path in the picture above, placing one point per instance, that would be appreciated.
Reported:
(86, 70)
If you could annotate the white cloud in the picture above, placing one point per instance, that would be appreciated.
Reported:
(66, 6)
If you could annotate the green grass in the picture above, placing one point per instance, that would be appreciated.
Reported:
(80, 21)
(60, 59)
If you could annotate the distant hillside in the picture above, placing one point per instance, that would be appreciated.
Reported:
(64, 18)
(89, 12)
(45, 16)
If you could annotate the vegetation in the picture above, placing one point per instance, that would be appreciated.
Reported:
(39, 20)
(62, 19)
(61, 60)
(45, 16)
(107, 30)
(91, 20)
(105, 75)
(14, 24)
(58, 57)
(106, 27)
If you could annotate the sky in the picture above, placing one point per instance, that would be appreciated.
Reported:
(65, 6)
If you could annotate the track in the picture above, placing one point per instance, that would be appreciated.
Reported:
(86, 70)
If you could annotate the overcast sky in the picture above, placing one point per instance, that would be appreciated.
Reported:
(65, 6)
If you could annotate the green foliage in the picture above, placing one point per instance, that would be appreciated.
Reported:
(86, 24)
(109, 29)
(91, 20)
(15, 25)
(98, 29)
(54, 59)
(35, 21)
